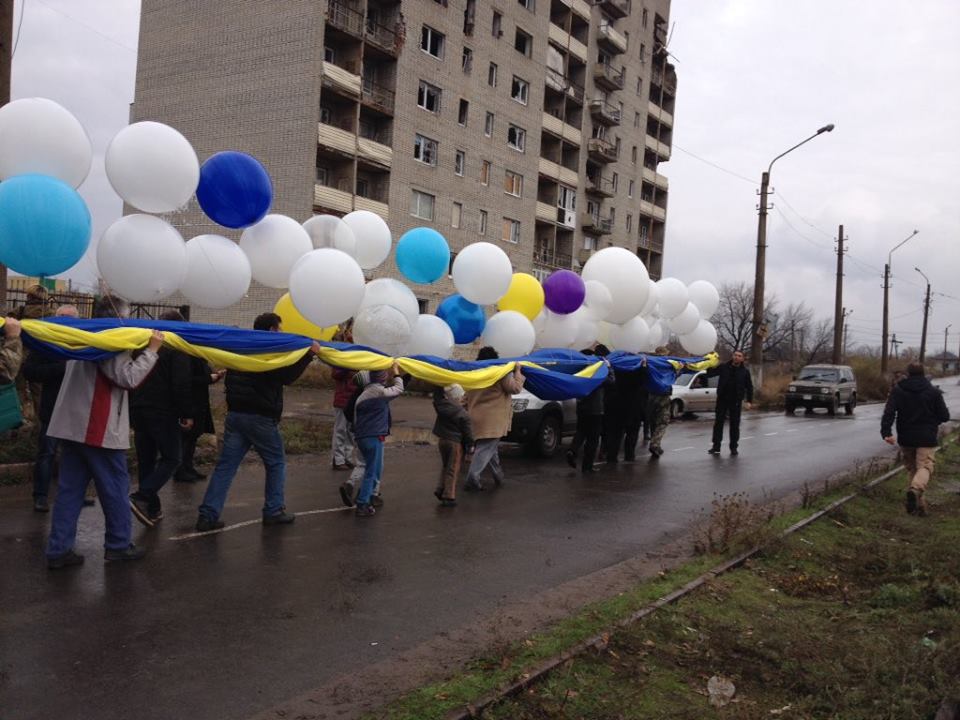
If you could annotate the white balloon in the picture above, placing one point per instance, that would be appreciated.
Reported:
(274, 245)
(218, 272)
(330, 231)
(559, 331)
(384, 328)
(482, 273)
(604, 330)
(540, 320)
(598, 299)
(393, 293)
(372, 238)
(626, 278)
(705, 296)
(326, 286)
(39, 136)
(510, 333)
(652, 300)
(686, 321)
(587, 328)
(658, 336)
(142, 258)
(632, 336)
(152, 167)
(702, 340)
(431, 336)
(672, 297)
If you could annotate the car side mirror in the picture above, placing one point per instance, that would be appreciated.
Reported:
(842, 380)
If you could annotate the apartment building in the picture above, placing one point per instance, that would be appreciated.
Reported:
(538, 125)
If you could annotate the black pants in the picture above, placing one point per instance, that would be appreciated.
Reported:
(157, 440)
(725, 408)
(634, 417)
(188, 442)
(588, 438)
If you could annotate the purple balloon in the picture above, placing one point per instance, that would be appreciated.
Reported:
(564, 292)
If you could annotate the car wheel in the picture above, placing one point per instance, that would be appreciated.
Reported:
(851, 404)
(789, 409)
(676, 409)
(547, 439)
(834, 404)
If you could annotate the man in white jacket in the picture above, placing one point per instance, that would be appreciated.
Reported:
(91, 419)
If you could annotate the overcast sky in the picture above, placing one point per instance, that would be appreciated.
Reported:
(754, 78)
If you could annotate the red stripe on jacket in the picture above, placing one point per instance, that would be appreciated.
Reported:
(99, 411)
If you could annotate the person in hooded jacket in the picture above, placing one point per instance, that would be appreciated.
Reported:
(591, 414)
(202, 376)
(918, 409)
(455, 434)
(371, 426)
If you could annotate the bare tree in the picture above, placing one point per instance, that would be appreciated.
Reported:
(817, 346)
(734, 316)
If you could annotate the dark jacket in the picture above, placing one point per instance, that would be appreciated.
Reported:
(261, 393)
(167, 389)
(200, 382)
(46, 369)
(453, 420)
(735, 384)
(918, 408)
(344, 387)
(372, 412)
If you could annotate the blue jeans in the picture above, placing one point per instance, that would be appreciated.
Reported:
(43, 467)
(372, 450)
(108, 468)
(241, 432)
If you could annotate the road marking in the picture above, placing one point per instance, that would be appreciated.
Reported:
(769, 434)
(688, 447)
(794, 430)
(246, 523)
(748, 437)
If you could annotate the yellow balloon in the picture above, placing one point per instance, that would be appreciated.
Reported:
(525, 296)
(294, 322)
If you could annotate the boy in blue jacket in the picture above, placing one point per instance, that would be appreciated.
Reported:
(371, 425)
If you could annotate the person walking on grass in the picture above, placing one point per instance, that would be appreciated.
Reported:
(371, 426)
(734, 391)
(455, 439)
(491, 412)
(91, 421)
(918, 409)
(254, 409)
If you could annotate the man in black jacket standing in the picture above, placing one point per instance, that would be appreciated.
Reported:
(254, 408)
(733, 388)
(918, 408)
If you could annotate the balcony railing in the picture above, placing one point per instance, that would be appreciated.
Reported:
(606, 76)
(614, 8)
(544, 256)
(600, 185)
(596, 224)
(560, 82)
(604, 112)
(602, 150)
(611, 38)
(379, 96)
(666, 80)
(344, 17)
(383, 37)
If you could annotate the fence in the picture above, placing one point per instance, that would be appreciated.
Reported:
(84, 302)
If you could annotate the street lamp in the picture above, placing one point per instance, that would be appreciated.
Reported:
(756, 350)
(946, 332)
(926, 312)
(884, 352)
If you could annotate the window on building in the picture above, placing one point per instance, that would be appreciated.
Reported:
(482, 229)
(613, 215)
(325, 115)
(644, 233)
(322, 175)
(639, 86)
(511, 231)
(453, 256)
(616, 146)
(329, 54)
(643, 18)
(363, 187)
(457, 216)
(421, 205)
(643, 53)
(492, 75)
(425, 150)
(528, 4)
(467, 61)
(626, 39)
(520, 90)
(428, 97)
(633, 155)
(485, 173)
(431, 41)
(567, 198)
(517, 138)
(497, 26)
(589, 242)
(513, 183)
(460, 162)
(488, 125)
(523, 42)
(636, 119)
(629, 223)
(630, 188)
(615, 182)
(463, 112)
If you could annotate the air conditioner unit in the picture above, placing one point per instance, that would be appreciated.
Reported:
(567, 218)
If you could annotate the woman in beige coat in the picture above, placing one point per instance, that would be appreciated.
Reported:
(491, 413)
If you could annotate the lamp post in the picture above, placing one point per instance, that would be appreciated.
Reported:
(926, 313)
(884, 352)
(756, 350)
(946, 332)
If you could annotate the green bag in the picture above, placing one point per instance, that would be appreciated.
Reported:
(10, 415)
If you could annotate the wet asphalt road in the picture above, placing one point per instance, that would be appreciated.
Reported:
(224, 626)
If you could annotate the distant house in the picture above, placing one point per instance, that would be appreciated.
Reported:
(945, 362)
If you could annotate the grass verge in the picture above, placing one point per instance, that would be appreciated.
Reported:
(856, 616)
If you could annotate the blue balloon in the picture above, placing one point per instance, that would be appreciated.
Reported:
(235, 190)
(423, 255)
(464, 317)
(44, 225)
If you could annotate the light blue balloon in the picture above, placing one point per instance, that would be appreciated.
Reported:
(423, 255)
(44, 225)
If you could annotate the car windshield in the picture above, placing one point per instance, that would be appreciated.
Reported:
(822, 374)
(684, 379)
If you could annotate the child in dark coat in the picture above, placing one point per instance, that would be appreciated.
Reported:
(455, 433)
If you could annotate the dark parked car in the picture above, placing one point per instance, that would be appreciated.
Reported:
(541, 425)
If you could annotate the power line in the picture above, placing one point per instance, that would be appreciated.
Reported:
(16, 42)
(714, 165)
(83, 24)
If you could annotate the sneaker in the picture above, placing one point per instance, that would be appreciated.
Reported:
(89, 502)
(131, 552)
(346, 493)
(185, 476)
(365, 511)
(734, 452)
(342, 467)
(438, 494)
(473, 487)
(140, 511)
(497, 481)
(40, 505)
(376, 500)
(572, 459)
(205, 524)
(280, 518)
(714, 451)
(447, 502)
(912, 501)
(66, 560)
(656, 451)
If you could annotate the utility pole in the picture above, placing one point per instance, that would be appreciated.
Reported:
(926, 315)
(838, 306)
(846, 314)
(886, 304)
(6, 63)
(895, 345)
(756, 347)
(946, 332)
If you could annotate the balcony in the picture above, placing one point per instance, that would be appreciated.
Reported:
(603, 151)
(600, 185)
(558, 127)
(610, 39)
(661, 149)
(607, 77)
(652, 176)
(544, 256)
(550, 169)
(546, 212)
(614, 8)
(595, 224)
(655, 211)
(345, 18)
(565, 41)
(347, 143)
(384, 38)
(328, 198)
(665, 79)
(378, 97)
(580, 7)
(341, 79)
(604, 113)
(661, 115)
(561, 83)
